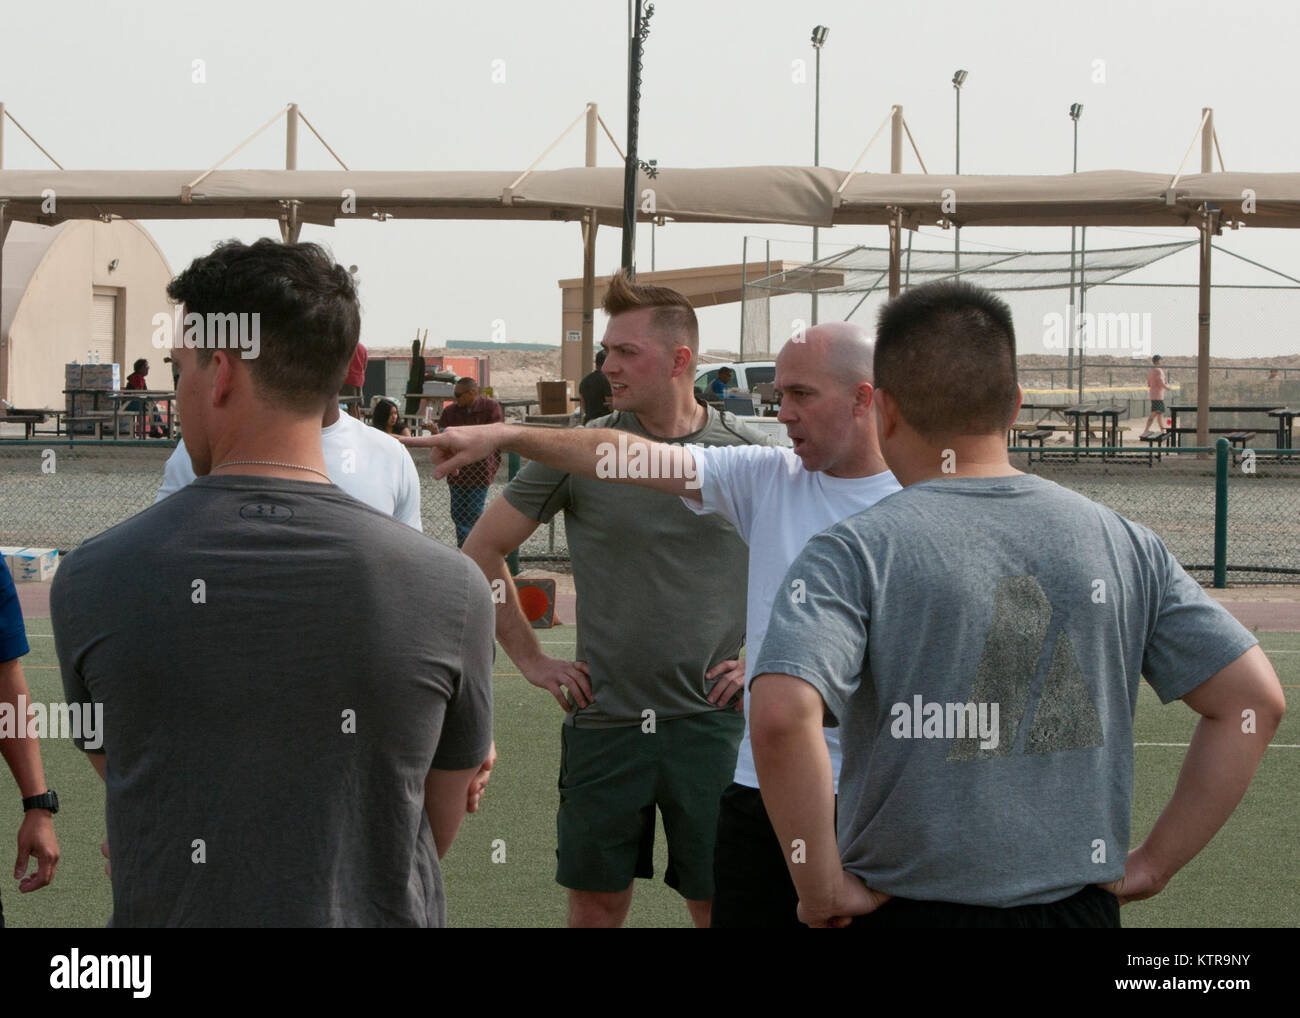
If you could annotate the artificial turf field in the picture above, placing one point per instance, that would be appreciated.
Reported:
(1249, 875)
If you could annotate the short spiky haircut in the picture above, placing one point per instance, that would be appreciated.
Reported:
(309, 316)
(946, 353)
(672, 317)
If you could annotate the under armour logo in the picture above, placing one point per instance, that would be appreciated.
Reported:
(269, 511)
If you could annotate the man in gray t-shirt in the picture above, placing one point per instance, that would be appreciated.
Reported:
(979, 638)
(285, 741)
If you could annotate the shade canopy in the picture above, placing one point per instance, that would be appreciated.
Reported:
(797, 195)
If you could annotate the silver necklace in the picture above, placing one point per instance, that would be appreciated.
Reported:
(270, 463)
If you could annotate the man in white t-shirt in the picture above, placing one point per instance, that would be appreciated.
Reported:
(370, 466)
(777, 498)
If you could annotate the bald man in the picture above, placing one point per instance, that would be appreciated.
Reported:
(776, 498)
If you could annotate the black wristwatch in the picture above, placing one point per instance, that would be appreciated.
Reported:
(49, 800)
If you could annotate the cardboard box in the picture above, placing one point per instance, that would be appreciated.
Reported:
(7, 552)
(35, 565)
(555, 397)
(101, 376)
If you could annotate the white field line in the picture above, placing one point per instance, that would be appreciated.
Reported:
(1184, 745)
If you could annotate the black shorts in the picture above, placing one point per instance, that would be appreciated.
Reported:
(752, 888)
(1090, 908)
(611, 780)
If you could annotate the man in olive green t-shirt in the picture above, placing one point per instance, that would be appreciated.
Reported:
(652, 700)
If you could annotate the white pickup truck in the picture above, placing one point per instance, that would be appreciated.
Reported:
(747, 375)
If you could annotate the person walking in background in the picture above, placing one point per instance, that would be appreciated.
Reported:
(1157, 388)
(594, 391)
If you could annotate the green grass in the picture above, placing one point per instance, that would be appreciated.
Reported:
(1249, 875)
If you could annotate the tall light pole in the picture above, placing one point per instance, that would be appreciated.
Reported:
(958, 80)
(819, 34)
(638, 28)
(1076, 110)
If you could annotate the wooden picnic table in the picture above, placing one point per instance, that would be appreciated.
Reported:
(118, 396)
(146, 396)
(1175, 410)
(1109, 413)
(1285, 421)
(27, 418)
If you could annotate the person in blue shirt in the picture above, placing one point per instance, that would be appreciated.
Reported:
(23, 754)
(722, 383)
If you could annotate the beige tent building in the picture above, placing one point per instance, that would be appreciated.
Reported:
(80, 288)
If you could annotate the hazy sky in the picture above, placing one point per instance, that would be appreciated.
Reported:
(397, 85)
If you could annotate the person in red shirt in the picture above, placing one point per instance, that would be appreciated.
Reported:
(1157, 387)
(138, 380)
(355, 379)
(469, 485)
(139, 372)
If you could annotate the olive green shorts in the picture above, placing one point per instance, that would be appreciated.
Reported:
(611, 780)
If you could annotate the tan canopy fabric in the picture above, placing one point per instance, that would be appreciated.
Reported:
(798, 195)
(743, 195)
(1097, 198)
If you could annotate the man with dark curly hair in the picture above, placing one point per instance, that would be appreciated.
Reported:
(276, 759)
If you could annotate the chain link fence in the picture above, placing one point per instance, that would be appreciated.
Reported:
(57, 495)
(1176, 498)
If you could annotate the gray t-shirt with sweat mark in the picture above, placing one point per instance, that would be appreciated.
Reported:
(661, 591)
(979, 641)
(280, 666)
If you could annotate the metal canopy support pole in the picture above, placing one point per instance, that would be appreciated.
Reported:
(1083, 302)
(895, 238)
(291, 138)
(896, 140)
(896, 216)
(4, 230)
(1203, 303)
(817, 161)
(1203, 337)
(956, 231)
(589, 226)
(4, 339)
(744, 289)
(1069, 356)
(289, 225)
